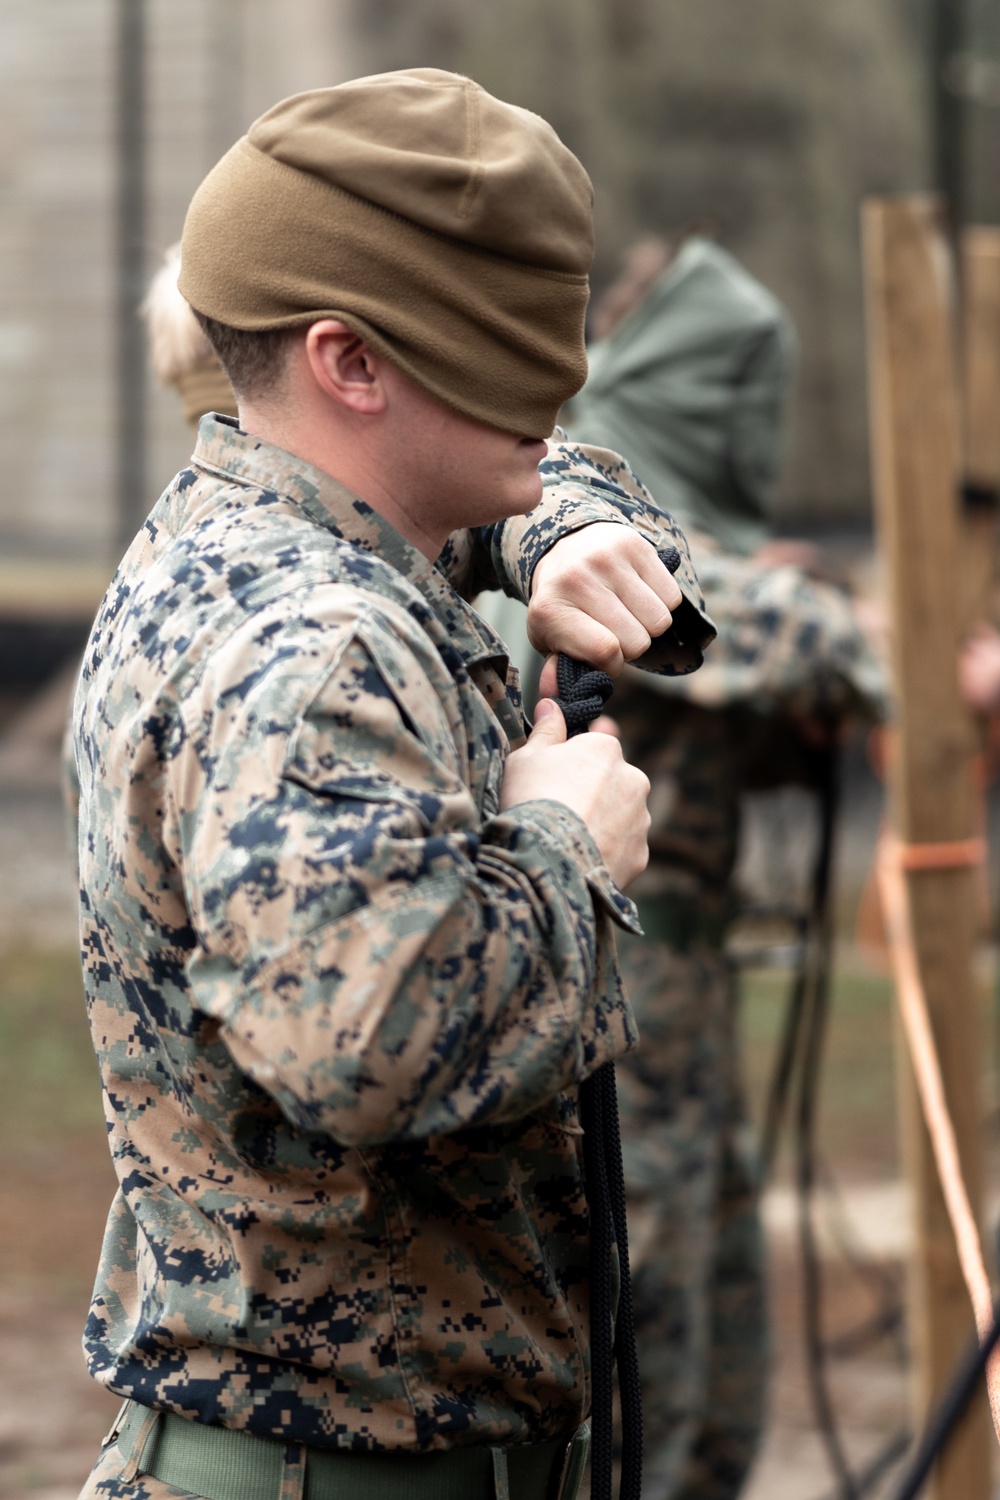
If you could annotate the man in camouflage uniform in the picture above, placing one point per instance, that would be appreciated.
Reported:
(689, 384)
(348, 936)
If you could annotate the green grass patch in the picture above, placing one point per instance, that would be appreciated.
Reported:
(49, 1086)
(857, 1129)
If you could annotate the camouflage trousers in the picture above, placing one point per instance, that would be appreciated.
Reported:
(694, 1226)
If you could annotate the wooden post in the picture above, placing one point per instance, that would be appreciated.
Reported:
(981, 372)
(916, 439)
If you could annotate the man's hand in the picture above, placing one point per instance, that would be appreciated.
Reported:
(590, 775)
(600, 595)
(979, 669)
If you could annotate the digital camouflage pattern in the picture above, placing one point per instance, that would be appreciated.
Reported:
(787, 643)
(694, 1230)
(114, 1478)
(692, 388)
(339, 1001)
(788, 648)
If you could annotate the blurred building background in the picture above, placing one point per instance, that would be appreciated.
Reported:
(767, 122)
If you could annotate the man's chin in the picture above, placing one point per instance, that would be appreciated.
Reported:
(532, 497)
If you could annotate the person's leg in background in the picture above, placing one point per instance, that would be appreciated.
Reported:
(694, 1226)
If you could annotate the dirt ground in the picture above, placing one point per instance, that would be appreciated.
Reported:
(56, 1183)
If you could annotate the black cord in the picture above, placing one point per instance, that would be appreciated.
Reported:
(876, 1468)
(583, 693)
(950, 1410)
(626, 1354)
(801, 1051)
(602, 1447)
(781, 1080)
(814, 1023)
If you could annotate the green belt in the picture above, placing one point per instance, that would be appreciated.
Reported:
(681, 921)
(218, 1463)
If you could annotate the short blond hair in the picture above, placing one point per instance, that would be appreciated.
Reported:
(177, 343)
(179, 351)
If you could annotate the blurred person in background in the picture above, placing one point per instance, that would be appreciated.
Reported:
(179, 351)
(688, 379)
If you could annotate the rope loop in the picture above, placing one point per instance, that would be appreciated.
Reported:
(583, 692)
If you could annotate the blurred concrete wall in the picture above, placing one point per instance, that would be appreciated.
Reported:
(213, 66)
(768, 120)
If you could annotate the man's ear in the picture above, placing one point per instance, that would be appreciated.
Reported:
(345, 367)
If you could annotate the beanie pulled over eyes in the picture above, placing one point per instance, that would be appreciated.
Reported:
(449, 230)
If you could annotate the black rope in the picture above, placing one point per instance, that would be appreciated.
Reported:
(893, 1450)
(813, 1035)
(601, 1317)
(784, 1072)
(950, 1410)
(797, 1071)
(583, 692)
(801, 1053)
(626, 1355)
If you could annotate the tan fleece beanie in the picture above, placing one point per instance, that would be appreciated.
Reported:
(451, 231)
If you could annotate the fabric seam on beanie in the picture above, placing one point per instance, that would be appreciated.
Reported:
(474, 184)
(573, 278)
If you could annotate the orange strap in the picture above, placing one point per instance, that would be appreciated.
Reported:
(949, 856)
(892, 861)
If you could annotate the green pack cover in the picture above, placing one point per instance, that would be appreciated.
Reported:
(691, 388)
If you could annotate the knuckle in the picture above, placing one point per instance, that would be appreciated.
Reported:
(577, 576)
(542, 609)
(604, 650)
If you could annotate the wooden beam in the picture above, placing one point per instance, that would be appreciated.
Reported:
(981, 431)
(916, 445)
(981, 338)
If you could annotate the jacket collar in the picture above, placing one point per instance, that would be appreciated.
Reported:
(225, 450)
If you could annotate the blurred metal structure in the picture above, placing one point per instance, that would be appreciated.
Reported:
(948, 43)
(226, 54)
(131, 423)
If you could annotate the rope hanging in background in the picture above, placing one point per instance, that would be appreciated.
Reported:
(583, 693)
(894, 858)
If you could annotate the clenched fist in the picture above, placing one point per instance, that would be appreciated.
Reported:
(601, 595)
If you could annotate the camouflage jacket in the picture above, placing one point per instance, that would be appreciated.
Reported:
(787, 644)
(339, 1001)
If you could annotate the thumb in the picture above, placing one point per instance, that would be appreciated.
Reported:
(548, 682)
(550, 726)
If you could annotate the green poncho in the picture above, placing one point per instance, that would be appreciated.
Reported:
(691, 390)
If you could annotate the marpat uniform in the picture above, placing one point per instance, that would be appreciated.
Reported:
(691, 388)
